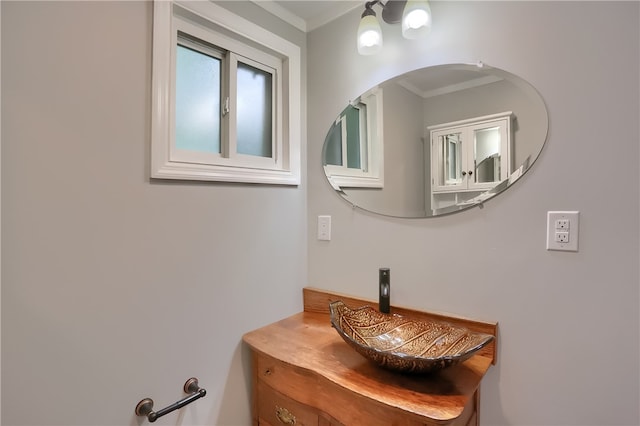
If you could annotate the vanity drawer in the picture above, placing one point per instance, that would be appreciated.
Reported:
(287, 379)
(324, 404)
(275, 409)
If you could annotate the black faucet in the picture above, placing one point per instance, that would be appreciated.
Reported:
(384, 277)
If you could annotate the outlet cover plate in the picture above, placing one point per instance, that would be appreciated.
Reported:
(562, 230)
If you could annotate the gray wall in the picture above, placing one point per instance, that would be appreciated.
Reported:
(115, 288)
(569, 322)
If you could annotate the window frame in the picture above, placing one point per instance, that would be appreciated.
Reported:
(371, 173)
(224, 29)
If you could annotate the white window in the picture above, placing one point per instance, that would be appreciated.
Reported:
(226, 98)
(354, 145)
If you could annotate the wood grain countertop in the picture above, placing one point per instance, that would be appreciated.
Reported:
(307, 342)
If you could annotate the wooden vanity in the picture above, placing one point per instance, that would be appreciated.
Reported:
(305, 374)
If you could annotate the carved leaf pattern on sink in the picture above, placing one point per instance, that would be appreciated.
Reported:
(403, 344)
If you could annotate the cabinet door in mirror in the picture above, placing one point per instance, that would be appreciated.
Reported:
(438, 140)
(447, 169)
(487, 155)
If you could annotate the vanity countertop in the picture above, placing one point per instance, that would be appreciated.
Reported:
(307, 343)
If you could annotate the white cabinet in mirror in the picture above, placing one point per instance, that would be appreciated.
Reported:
(489, 127)
(469, 157)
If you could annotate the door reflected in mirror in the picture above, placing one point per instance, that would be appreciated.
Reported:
(435, 141)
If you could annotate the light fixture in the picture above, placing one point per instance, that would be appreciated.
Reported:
(415, 16)
(416, 19)
(369, 32)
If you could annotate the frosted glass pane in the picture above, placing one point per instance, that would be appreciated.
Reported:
(353, 137)
(254, 111)
(197, 101)
(333, 145)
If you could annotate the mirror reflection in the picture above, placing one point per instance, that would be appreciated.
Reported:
(435, 141)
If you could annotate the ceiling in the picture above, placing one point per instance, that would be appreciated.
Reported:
(307, 15)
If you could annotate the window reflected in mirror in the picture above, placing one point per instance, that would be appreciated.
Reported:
(353, 146)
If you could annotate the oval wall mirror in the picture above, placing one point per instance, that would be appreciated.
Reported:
(435, 141)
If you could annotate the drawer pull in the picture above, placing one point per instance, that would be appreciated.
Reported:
(285, 416)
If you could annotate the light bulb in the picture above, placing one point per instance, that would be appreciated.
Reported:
(369, 35)
(416, 19)
(369, 38)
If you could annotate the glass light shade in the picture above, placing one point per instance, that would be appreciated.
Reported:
(369, 35)
(416, 19)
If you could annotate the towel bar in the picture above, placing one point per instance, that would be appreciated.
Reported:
(145, 407)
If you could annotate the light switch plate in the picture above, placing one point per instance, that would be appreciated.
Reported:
(562, 230)
(324, 228)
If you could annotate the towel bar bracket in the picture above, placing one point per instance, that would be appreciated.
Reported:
(145, 406)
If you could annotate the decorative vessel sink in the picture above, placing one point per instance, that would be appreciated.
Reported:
(403, 344)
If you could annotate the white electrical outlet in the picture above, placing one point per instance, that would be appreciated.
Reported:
(324, 228)
(562, 230)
